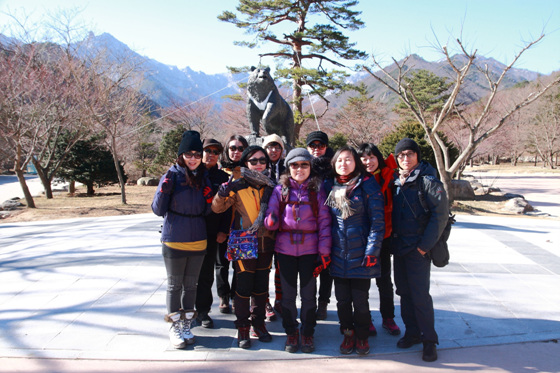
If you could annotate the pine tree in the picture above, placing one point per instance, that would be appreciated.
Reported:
(323, 42)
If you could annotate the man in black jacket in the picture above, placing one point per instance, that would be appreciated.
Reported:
(420, 212)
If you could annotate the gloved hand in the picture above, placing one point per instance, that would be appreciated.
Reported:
(369, 261)
(272, 219)
(225, 188)
(167, 185)
(207, 194)
(325, 261)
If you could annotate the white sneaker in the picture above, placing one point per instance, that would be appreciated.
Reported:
(175, 332)
(186, 333)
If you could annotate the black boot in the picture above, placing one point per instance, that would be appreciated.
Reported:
(430, 352)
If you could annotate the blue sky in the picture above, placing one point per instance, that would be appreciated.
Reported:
(187, 32)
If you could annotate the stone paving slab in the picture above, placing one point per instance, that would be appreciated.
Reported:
(94, 288)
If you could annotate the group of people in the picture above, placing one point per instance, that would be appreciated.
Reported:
(336, 216)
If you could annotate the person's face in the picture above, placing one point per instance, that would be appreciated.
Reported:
(235, 149)
(274, 151)
(300, 171)
(260, 162)
(317, 149)
(192, 159)
(370, 162)
(408, 160)
(345, 164)
(210, 156)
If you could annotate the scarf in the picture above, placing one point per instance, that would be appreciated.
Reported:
(338, 199)
(403, 175)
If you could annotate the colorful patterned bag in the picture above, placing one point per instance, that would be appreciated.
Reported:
(242, 245)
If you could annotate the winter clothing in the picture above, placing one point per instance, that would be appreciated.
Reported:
(298, 155)
(359, 235)
(190, 142)
(317, 136)
(415, 228)
(407, 144)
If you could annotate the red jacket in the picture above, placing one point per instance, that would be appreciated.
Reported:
(386, 179)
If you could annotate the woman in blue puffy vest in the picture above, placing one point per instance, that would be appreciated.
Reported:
(358, 226)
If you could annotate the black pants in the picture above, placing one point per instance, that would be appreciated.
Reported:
(252, 282)
(325, 286)
(292, 267)
(352, 304)
(384, 283)
(412, 278)
(206, 278)
(222, 273)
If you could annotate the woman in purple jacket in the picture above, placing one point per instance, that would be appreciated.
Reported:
(297, 210)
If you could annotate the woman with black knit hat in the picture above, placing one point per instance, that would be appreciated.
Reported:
(249, 197)
(183, 198)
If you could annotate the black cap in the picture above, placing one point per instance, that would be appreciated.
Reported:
(212, 142)
(407, 144)
(189, 142)
(317, 136)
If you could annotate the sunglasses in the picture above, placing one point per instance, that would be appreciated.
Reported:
(212, 151)
(196, 155)
(317, 146)
(303, 166)
(234, 148)
(254, 161)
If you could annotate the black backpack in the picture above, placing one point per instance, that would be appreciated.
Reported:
(440, 252)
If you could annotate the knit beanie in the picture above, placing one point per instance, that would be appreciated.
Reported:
(317, 136)
(190, 142)
(298, 155)
(273, 138)
(407, 144)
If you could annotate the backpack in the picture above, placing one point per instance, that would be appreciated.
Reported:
(440, 252)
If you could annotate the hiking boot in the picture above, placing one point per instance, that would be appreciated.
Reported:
(362, 347)
(205, 320)
(307, 345)
(322, 310)
(408, 341)
(243, 339)
(175, 334)
(347, 345)
(391, 327)
(372, 330)
(261, 333)
(224, 305)
(292, 342)
(188, 319)
(270, 315)
(429, 353)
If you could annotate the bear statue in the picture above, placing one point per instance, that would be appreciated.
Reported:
(265, 106)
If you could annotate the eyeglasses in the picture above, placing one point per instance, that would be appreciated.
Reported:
(254, 161)
(273, 147)
(196, 155)
(303, 166)
(405, 155)
(234, 148)
(212, 151)
(315, 145)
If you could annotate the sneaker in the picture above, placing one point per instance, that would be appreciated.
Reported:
(292, 342)
(408, 341)
(322, 310)
(261, 333)
(391, 327)
(307, 345)
(372, 330)
(243, 340)
(186, 327)
(224, 305)
(175, 331)
(270, 315)
(362, 347)
(205, 321)
(347, 345)
(429, 353)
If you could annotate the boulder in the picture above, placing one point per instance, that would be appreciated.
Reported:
(518, 205)
(148, 181)
(11, 204)
(478, 188)
(462, 190)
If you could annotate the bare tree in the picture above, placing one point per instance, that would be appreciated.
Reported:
(474, 126)
(545, 129)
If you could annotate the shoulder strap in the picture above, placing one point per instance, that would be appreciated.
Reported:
(314, 202)
(421, 196)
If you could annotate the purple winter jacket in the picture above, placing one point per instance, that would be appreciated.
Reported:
(288, 240)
